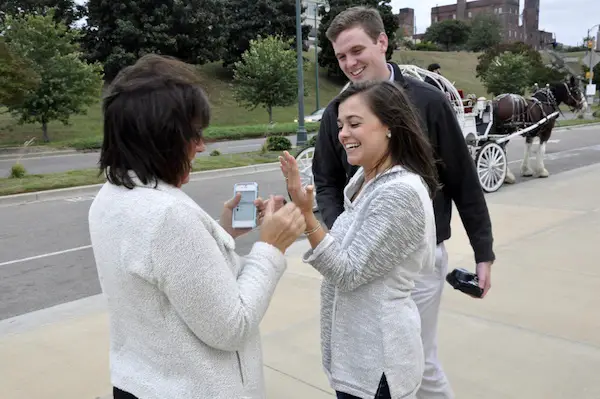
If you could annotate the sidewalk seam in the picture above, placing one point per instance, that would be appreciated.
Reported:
(297, 379)
(518, 327)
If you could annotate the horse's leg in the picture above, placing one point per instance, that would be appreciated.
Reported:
(541, 171)
(510, 178)
(544, 136)
(525, 169)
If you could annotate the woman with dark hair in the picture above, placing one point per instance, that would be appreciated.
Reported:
(184, 308)
(370, 325)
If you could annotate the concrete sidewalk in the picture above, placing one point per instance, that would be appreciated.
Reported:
(535, 336)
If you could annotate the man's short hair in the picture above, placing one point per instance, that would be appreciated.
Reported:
(366, 18)
(433, 67)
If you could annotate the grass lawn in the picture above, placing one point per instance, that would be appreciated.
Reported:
(458, 67)
(576, 122)
(84, 177)
(85, 131)
(227, 115)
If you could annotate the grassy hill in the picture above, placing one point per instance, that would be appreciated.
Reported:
(456, 66)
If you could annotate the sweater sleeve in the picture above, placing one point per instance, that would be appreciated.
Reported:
(220, 308)
(391, 229)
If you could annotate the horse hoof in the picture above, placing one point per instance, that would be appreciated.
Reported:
(543, 174)
(510, 179)
(526, 173)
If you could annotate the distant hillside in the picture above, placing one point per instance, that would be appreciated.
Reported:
(458, 67)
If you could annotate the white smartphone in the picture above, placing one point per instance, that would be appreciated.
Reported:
(244, 215)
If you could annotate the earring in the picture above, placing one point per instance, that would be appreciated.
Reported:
(389, 134)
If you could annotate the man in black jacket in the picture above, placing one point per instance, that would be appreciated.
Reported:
(360, 44)
(435, 68)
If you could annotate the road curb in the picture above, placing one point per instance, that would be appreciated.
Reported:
(584, 125)
(46, 195)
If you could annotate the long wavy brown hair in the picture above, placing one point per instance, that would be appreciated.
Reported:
(408, 145)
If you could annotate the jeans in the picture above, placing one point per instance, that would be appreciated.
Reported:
(383, 392)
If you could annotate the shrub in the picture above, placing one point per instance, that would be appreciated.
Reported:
(278, 143)
(215, 153)
(17, 171)
(426, 46)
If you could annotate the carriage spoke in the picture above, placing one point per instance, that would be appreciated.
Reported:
(491, 166)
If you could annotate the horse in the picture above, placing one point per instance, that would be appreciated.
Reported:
(514, 112)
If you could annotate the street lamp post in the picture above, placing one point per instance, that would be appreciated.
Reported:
(591, 53)
(301, 133)
(316, 57)
(591, 50)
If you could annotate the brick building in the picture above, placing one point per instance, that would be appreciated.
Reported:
(508, 13)
(406, 22)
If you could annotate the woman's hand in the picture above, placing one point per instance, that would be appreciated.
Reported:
(302, 196)
(281, 228)
(262, 205)
(229, 206)
(227, 216)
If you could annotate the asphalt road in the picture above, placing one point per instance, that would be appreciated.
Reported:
(45, 258)
(63, 161)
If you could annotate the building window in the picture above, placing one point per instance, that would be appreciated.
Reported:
(453, 16)
(470, 14)
(500, 10)
(435, 19)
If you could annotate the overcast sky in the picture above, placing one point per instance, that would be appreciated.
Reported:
(568, 19)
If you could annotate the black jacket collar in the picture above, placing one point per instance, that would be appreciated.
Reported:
(398, 77)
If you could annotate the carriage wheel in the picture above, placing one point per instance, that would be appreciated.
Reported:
(491, 166)
(304, 159)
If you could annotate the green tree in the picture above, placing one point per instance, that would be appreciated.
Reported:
(120, 32)
(246, 20)
(507, 73)
(66, 11)
(449, 33)
(67, 84)
(266, 75)
(327, 57)
(199, 30)
(538, 72)
(16, 77)
(485, 32)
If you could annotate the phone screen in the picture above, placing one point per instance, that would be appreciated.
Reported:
(245, 209)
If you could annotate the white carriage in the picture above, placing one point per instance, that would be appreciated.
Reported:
(475, 116)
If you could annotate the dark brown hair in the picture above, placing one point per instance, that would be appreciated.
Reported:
(408, 144)
(153, 111)
(367, 18)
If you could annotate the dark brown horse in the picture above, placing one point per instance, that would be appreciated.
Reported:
(513, 112)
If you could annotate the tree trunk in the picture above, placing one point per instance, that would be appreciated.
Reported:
(270, 110)
(45, 132)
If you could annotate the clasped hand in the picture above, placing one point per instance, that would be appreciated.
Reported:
(281, 223)
(260, 204)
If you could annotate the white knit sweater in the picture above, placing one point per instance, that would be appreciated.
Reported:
(376, 248)
(184, 308)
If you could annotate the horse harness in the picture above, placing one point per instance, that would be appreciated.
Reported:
(521, 108)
